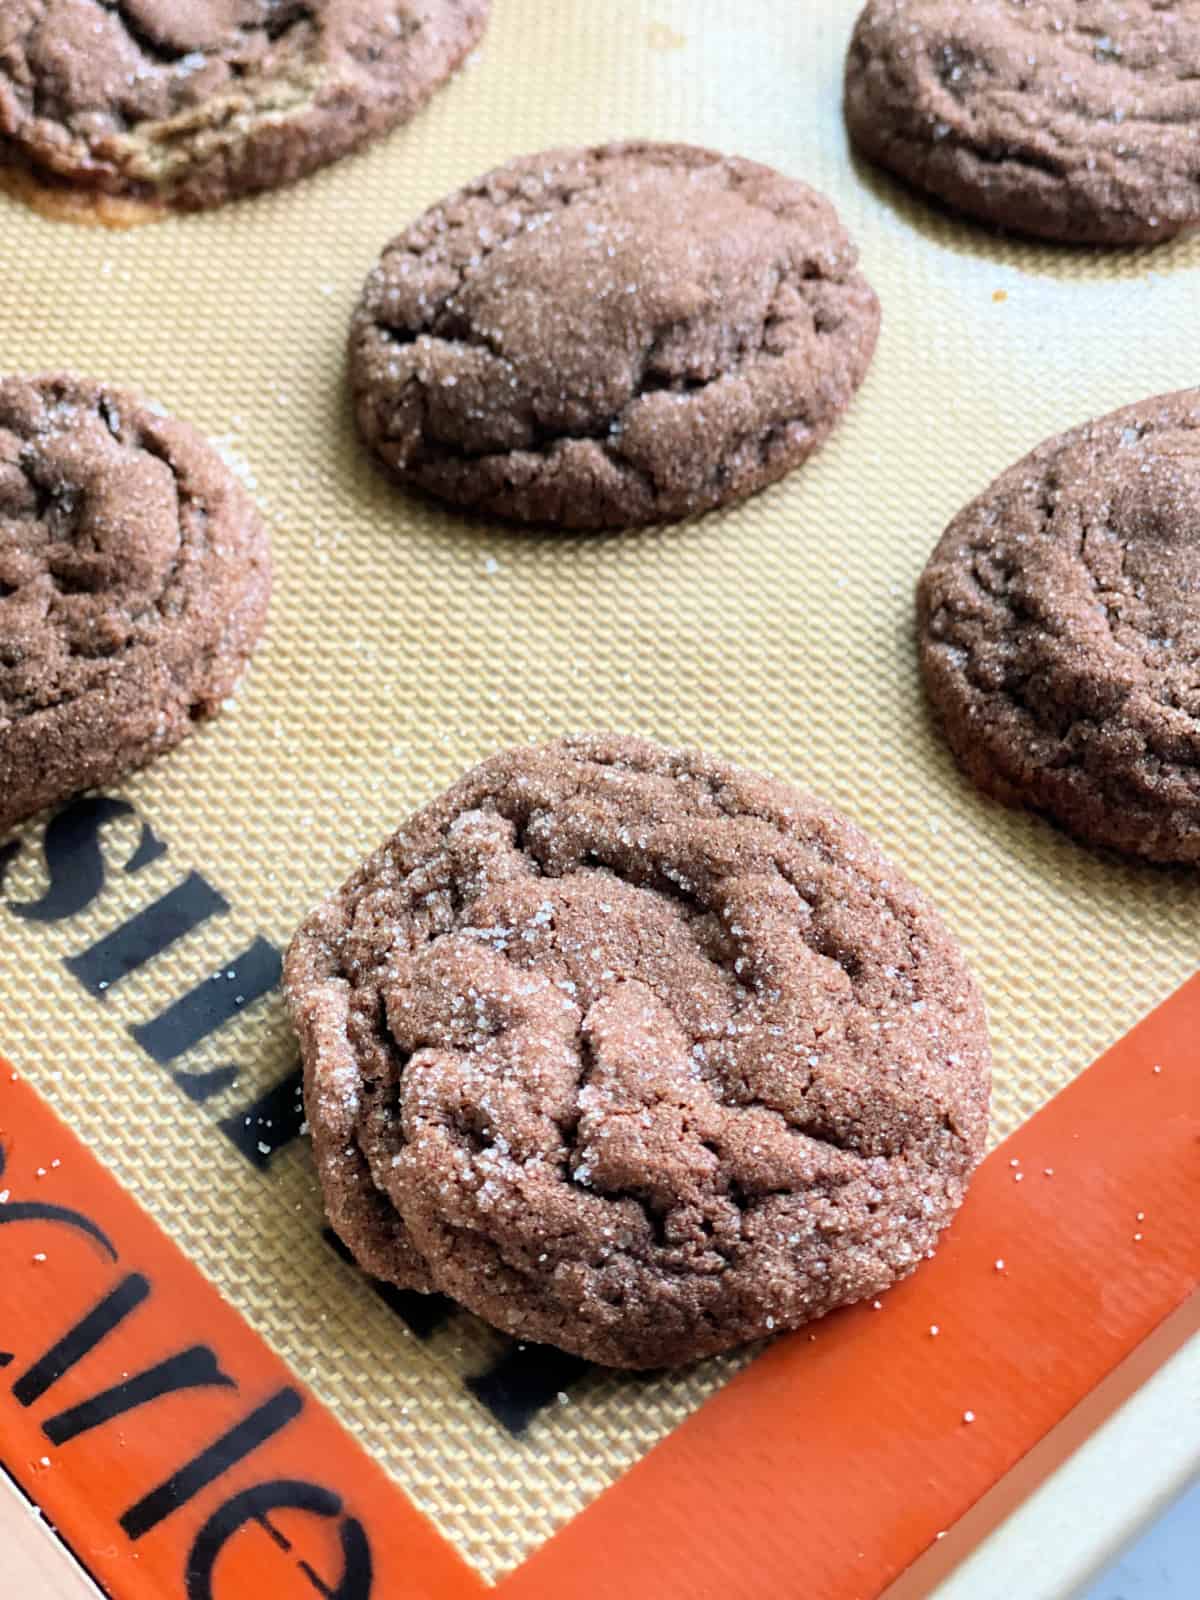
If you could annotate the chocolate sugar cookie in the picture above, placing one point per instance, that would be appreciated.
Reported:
(605, 337)
(1070, 121)
(1060, 631)
(637, 1054)
(190, 104)
(134, 576)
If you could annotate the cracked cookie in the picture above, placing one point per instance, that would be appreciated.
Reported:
(1059, 621)
(190, 104)
(134, 576)
(1072, 121)
(607, 337)
(637, 1054)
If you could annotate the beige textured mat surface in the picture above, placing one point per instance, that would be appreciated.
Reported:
(404, 644)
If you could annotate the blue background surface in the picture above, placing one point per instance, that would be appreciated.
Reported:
(1163, 1564)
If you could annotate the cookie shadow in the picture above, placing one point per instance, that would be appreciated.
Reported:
(962, 235)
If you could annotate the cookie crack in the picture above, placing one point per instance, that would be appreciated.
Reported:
(657, 882)
(545, 443)
(607, 432)
(280, 18)
(47, 497)
(148, 45)
(945, 56)
(998, 153)
(1074, 726)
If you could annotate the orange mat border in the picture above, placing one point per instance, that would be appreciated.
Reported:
(55, 1270)
(827, 1467)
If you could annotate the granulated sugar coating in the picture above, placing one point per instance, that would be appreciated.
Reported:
(192, 104)
(606, 337)
(1060, 630)
(134, 576)
(1078, 122)
(638, 1054)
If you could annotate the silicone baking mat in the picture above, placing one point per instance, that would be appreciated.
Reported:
(140, 931)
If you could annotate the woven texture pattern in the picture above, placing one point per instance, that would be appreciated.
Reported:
(405, 643)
